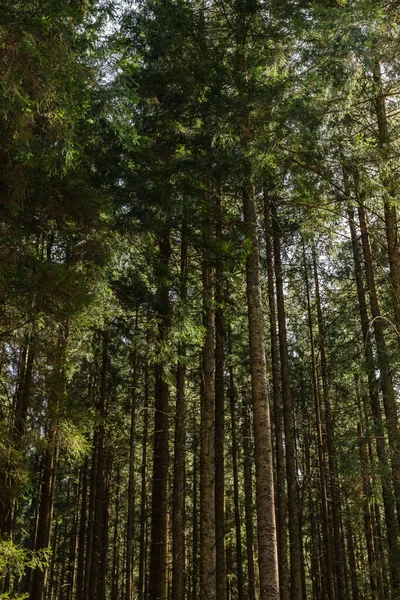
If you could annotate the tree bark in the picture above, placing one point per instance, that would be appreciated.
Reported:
(289, 425)
(130, 527)
(281, 507)
(248, 499)
(207, 422)
(339, 561)
(159, 501)
(178, 506)
(327, 557)
(219, 413)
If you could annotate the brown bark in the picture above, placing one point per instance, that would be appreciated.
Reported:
(115, 560)
(82, 532)
(266, 530)
(159, 499)
(100, 480)
(326, 538)
(339, 561)
(178, 506)
(207, 423)
(143, 491)
(281, 508)
(289, 426)
(219, 415)
(368, 530)
(130, 527)
(248, 500)
(235, 473)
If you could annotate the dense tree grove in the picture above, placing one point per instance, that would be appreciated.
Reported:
(199, 300)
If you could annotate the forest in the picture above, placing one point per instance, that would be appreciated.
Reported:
(199, 300)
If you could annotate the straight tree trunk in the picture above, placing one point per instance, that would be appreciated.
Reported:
(238, 531)
(143, 491)
(248, 499)
(207, 422)
(95, 565)
(339, 561)
(80, 575)
(289, 425)
(90, 518)
(219, 414)
(115, 561)
(178, 506)
(281, 507)
(266, 529)
(326, 538)
(368, 529)
(159, 499)
(131, 482)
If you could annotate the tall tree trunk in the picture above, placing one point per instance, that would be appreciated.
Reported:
(178, 506)
(340, 581)
(266, 530)
(130, 527)
(195, 517)
(100, 495)
(368, 530)
(90, 518)
(320, 444)
(115, 561)
(281, 508)
(238, 531)
(143, 491)
(219, 413)
(289, 425)
(82, 533)
(207, 422)
(248, 499)
(159, 499)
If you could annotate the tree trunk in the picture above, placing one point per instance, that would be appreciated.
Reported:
(159, 500)
(99, 482)
(238, 532)
(289, 425)
(143, 491)
(339, 562)
(178, 507)
(80, 575)
(207, 423)
(327, 557)
(219, 414)
(130, 527)
(248, 499)
(281, 508)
